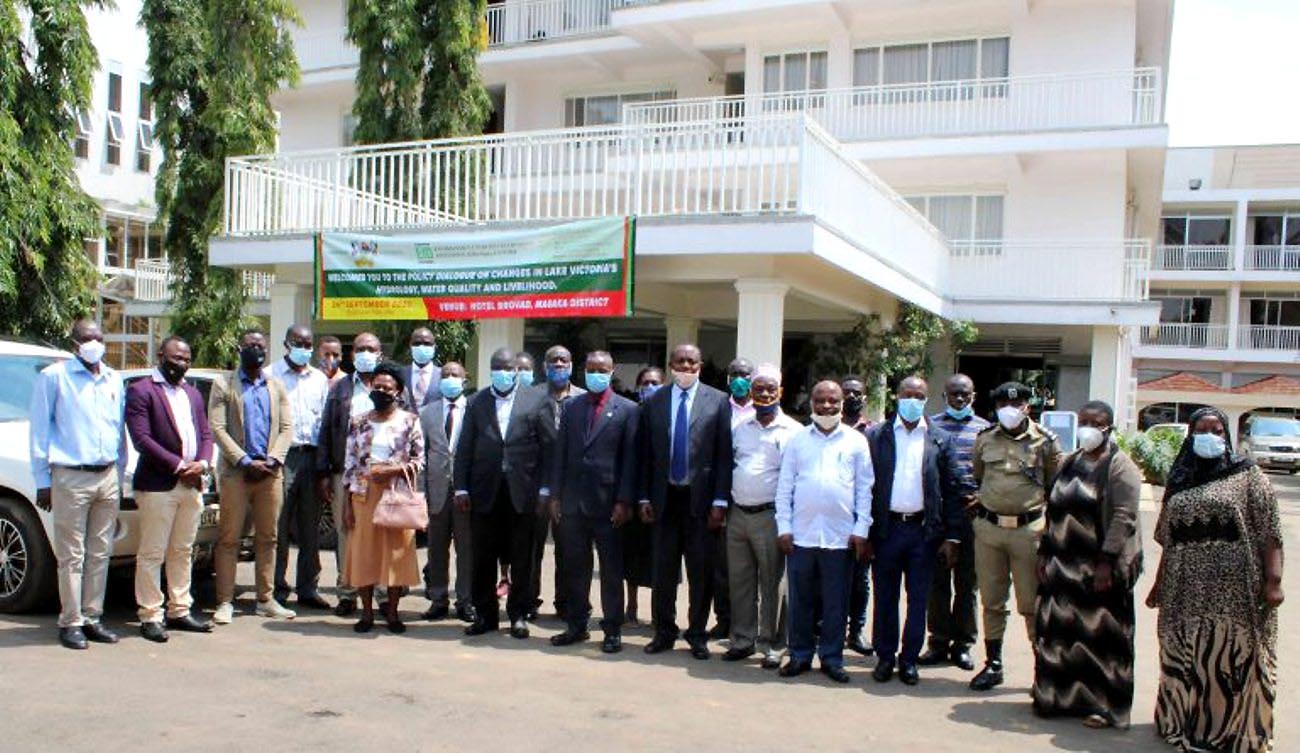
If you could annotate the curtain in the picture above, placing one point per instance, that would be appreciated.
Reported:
(772, 73)
(988, 218)
(954, 61)
(906, 64)
(866, 66)
(952, 215)
(994, 57)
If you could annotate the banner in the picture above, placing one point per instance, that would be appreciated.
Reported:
(577, 269)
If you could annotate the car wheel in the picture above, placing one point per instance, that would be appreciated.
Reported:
(27, 566)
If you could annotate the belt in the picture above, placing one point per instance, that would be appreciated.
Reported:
(303, 448)
(756, 509)
(1008, 521)
(907, 517)
(88, 468)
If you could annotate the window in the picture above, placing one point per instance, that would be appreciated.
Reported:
(113, 134)
(1183, 309)
(962, 218)
(1190, 230)
(929, 62)
(81, 143)
(144, 137)
(1277, 230)
(1274, 313)
(607, 109)
(794, 72)
(17, 380)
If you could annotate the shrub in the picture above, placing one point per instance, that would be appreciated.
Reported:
(1153, 452)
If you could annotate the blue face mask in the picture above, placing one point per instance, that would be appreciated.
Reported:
(365, 361)
(910, 409)
(504, 380)
(299, 356)
(1208, 446)
(526, 377)
(422, 354)
(960, 415)
(559, 376)
(597, 382)
(646, 391)
(451, 387)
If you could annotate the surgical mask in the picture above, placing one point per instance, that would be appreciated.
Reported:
(1090, 437)
(299, 356)
(826, 423)
(1208, 446)
(910, 409)
(685, 379)
(597, 382)
(526, 377)
(91, 351)
(451, 387)
(853, 404)
(172, 372)
(646, 391)
(382, 400)
(365, 361)
(558, 376)
(330, 364)
(959, 414)
(422, 354)
(1010, 417)
(504, 380)
(739, 387)
(764, 411)
(252, 357)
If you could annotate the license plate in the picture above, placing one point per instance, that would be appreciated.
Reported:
(209, 518)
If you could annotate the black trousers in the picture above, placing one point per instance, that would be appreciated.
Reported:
(544, 527)
(578, 534)
(502, 534)
(722, 587)
(300, 515)
(951, 614)
(678, 535)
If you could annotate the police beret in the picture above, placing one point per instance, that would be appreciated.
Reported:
(1011, 391)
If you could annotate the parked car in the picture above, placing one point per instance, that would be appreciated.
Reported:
(1272, 442)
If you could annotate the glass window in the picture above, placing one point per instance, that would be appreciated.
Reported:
(146, 102)
(1288, 314)
(1175, 231)
(988, 217)
(772, 73)
(906, 64)
(607, 109)
(1184, 309)
(952, 215)
(866, 66)
(1207, 231)
(114, 92)
(995, 56)
(1292, 235)
(17, 378)
(954, 61)
(1268, 231)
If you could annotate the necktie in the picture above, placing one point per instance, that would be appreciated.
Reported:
(421, 386)
(681, 437)
(451, 409)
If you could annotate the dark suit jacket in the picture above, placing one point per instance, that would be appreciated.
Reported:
(437, 452)
(709, 454)
(485, 460)
(431, 395)
(153, 431)
(335, 420)
(592, 469)
(944, 517)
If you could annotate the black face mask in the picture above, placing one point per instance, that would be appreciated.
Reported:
(172, 372)
(853, 405)
(382, 400)
(252, 357)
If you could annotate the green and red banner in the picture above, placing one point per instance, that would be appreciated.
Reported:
(577, 269)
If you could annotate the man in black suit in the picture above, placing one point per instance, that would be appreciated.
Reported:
(917, 521)
(590, 488)
(501, 459)
(684, 484)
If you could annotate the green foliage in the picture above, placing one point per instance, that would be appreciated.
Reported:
(883, 356)
(46, 279)
(215, 65)
(453, 339)
(1154, 452)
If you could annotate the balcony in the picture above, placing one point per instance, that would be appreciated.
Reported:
(1017, 104)
(1267, 337)
(1273, 258)
(154, 281)
(1065, 271)
(1178, 335)
(1184, 258)
(522, 21)
(325, 50)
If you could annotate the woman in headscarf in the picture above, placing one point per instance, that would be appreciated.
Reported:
(1217, 589)
(1089, 558)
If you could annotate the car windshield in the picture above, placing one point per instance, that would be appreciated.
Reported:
(1274, 427)
(17, 376)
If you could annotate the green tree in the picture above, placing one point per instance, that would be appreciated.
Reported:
(46, 278)
(215, 65)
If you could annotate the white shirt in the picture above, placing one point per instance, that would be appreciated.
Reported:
(182, 416)
(741, 413)
(504, 406)
(307, 391)
(384, 438)
(824, 494)
(757, 451)
(418, 372)
(676, 400)
(909, 467)
(361, 402)
(457, 418)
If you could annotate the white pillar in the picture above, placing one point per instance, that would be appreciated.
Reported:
(1104, 376)
(681, 330)
(1239, 235)
(839, 60)
(290, 305)
(1234, 315)
(760, 320)
(491, 334)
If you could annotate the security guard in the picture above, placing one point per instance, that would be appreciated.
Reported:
(1013, 461)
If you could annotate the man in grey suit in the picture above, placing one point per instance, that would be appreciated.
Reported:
(442, 420)
(684, 463)
(424, 375)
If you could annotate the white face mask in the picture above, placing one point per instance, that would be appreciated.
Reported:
(1090, 437)
(826, 423)
(1010, 417)
(91, 351)
(685, 379)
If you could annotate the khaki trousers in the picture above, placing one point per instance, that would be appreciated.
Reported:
(169, 521)
(341, 497)
(755, 569)
(84, 509)
(238, 497)
(1006, 557)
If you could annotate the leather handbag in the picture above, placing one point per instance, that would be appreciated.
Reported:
(401, 506)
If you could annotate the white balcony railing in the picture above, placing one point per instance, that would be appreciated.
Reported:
(1050, 270)
(155, 280)
(517, 21)
(1273, 258)
(1268, 337)
(323, 50)
(942, 108)
(1184, 258)
(1180, 335)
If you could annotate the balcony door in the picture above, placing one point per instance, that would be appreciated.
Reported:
(788, 78)
(1184, 321)
(1193, 242)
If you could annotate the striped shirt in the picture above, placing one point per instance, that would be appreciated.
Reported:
(963, 443)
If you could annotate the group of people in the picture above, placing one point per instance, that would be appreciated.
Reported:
(782, 529)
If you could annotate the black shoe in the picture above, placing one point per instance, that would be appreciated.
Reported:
(188, 624)
(532, 616)
(96, 633)
(570, 637)
(364, 625)
(154, 631)
(933, 656)
(659, 644)
(612, 644)
(771, 661)
(480, 628)
(838, 674)
(858, 645)
(467, 613)
(884, 670)
(519, 630)
(396, 627)
(908, 675)
(718, 632)
(700, 651)
(74, 638)
(736, 654)
(346, 607)
(314, 601)
(989, 678)
(436, 612)
(961, 659)
(794, 668)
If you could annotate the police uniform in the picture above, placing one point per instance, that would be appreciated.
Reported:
(1013, 471)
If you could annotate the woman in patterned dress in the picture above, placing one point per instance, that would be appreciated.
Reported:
(1089, 558)
(1218, 588)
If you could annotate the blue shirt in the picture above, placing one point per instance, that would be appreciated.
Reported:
(76, 418)
(963, 444)
(257, 417)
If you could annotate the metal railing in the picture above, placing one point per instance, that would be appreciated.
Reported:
(1180, 335)
(1273, 258)
(1013, 104)
(1057, 270)
(322, 50)
(1184, 258)
(538, 20)
(155, 281)
(1268, 337)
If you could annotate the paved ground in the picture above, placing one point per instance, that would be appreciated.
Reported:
(314, 684)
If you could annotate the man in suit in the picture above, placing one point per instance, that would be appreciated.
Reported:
(252, 423)
(422, 381)
(168, 425)
(917, 519)
(560, 389)
(442, 420)
(589, 490)
(684, 466)
(348, 397)
(498, 472)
